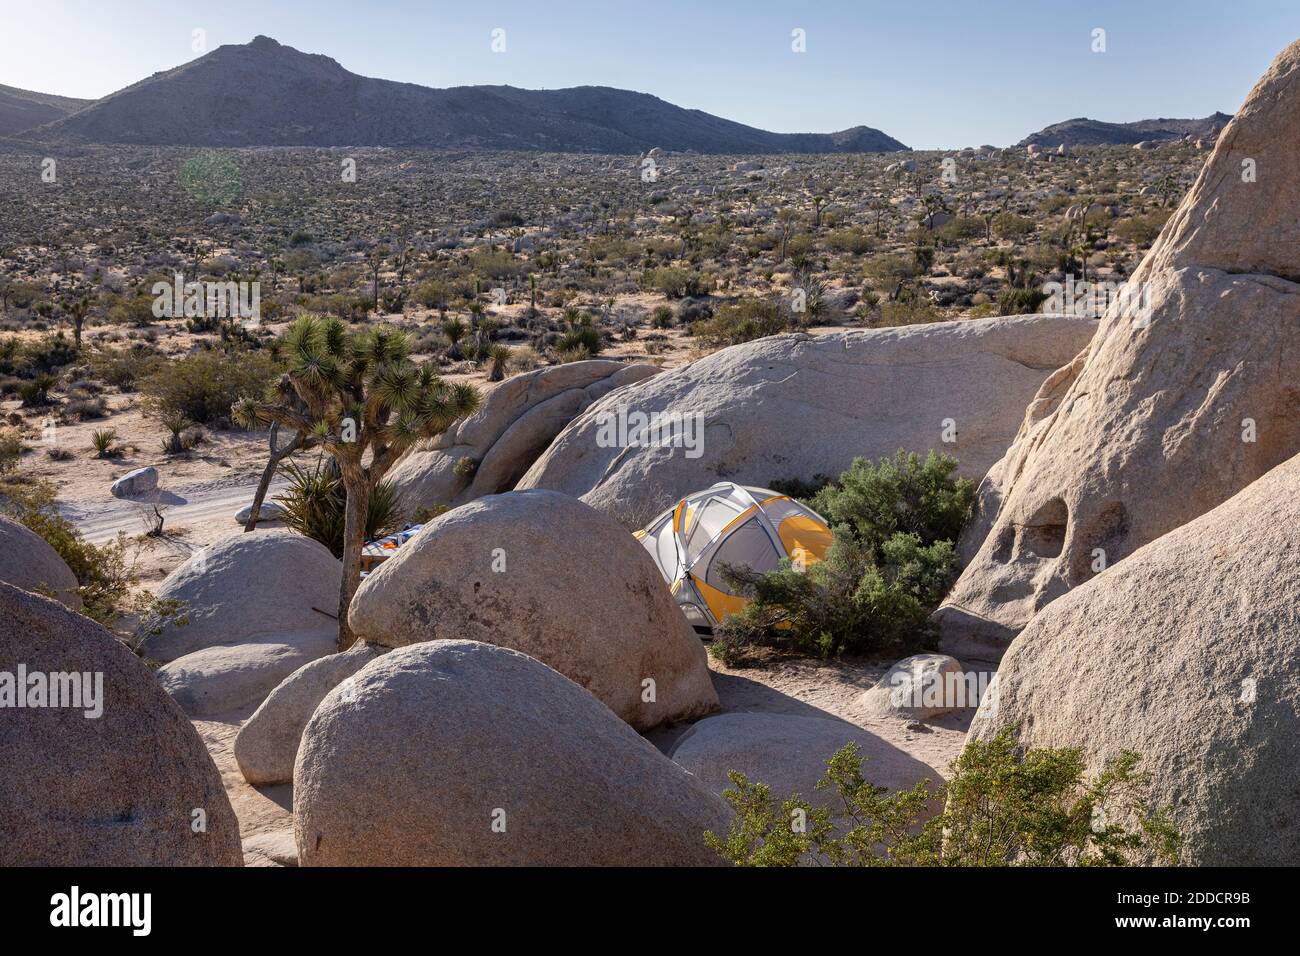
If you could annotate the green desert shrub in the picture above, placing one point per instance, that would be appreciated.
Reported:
(105, 573)
(314, 505)
(11, 449)
(50, 354)
(740, 322)
(887, 271)
(581, 335)
(891, 562)
(202, 387)
(905, 494)
(1002, 807)
(909, 310)
(121, 368)
(1020, 301)
(104, 441)
(1143, 228)
(36, 393)
(674, 282)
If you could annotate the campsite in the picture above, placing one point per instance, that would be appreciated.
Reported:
(395, 474)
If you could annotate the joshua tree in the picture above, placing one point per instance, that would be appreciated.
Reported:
(819, 203)
(455, 330)
(301, 441)
(878, 205)
(76, 310)
(375, 261)
(366, 402)
(785, 217)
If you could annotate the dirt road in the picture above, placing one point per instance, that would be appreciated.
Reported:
(181, 507)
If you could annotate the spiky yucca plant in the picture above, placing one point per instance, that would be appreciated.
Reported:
(365, 401)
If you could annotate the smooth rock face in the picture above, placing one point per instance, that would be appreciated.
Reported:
(458, 736)
(546, 575)
(230, 677)
(921, 686)
(1184, 398)
(119, 789)
(789, 753)
(1184, 652)
(262, 584)
(515, 424)
(793, 406)
(27, 561)
(267, 743)
(1233, 225)
(138, 482)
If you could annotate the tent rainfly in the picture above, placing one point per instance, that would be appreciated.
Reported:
(729, 524)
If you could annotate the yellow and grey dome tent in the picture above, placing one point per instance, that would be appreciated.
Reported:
(729, 524)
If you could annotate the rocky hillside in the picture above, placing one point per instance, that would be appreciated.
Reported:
(21, 110)
(266, 94)
(1089, 132)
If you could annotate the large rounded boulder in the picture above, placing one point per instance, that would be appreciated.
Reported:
(1186, 653)
(98, 767)
(487, 452)
(485, 756)
(27, 561)
(544, 574)
(267, 743)
(228, 678)
(1187, 394)
(271, 583)
(798, 405)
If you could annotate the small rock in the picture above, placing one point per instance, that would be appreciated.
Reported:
(137, 482)
(919, 686)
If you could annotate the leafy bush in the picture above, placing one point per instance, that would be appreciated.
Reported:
(36, 393)
(1143, 228)
(900, 494)
(11, 449)
(889, 270)
(741, 322)
(314, 505)
(122, 367)
(1002, 807)
(202, 387)
(105, 573)
(674, 282)
(891, 563)
(50, 354)
(909, 310)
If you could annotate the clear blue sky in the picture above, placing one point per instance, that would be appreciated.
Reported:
(929, 72)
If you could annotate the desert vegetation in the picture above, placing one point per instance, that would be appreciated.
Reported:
(1001, 806)
(642, 505)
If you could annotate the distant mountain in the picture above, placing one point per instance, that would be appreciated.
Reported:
(266, 94)
(1090, 132)
(21, 110)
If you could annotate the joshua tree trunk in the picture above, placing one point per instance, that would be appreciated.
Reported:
(354, 533)
(278, 454)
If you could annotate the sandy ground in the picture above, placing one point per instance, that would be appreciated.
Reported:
(807, 688)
